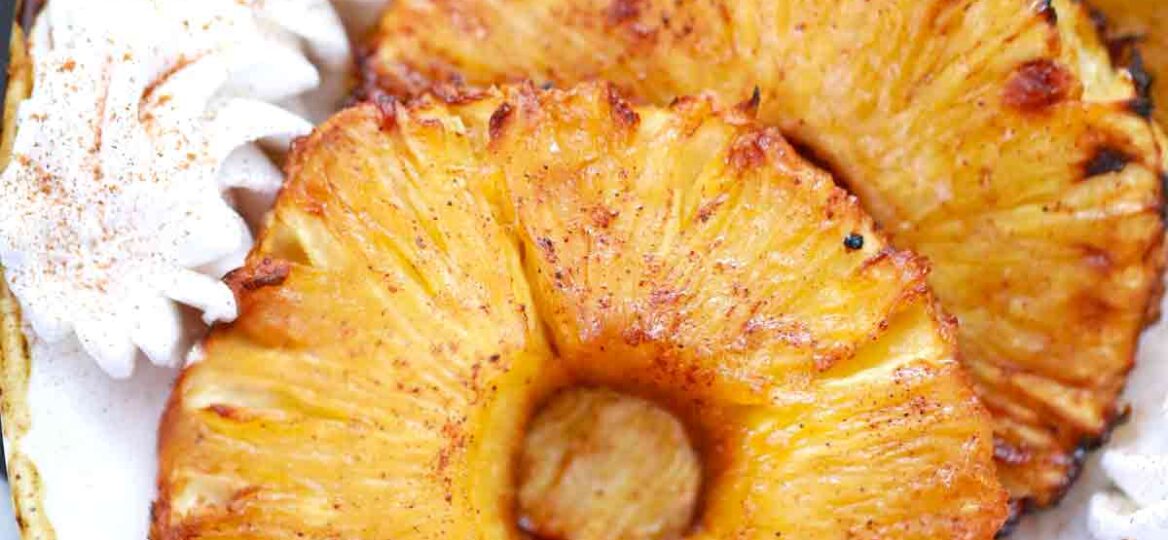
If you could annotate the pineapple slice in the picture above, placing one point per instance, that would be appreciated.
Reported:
(433, 275)
(991, 136)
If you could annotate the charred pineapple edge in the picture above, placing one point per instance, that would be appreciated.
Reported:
(1124, 53)
(14, 357)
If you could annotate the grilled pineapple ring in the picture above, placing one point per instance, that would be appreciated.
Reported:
(431, 274)
(993, 137)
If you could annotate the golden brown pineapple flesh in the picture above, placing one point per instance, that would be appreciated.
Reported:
(432, 274)
(992, 136)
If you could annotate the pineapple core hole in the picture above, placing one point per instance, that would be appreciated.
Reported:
(600, 465)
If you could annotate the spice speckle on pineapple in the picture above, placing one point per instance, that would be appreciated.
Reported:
(854, 241)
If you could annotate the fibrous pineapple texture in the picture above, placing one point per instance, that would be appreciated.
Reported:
(994, 137)
(432, 274)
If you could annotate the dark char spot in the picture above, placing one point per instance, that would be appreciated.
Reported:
(1142, 104)
(1106, 160)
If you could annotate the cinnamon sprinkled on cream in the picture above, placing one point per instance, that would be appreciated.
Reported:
(142, 125)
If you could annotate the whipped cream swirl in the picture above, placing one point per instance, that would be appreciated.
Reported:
(148, 121)
(1137, 460)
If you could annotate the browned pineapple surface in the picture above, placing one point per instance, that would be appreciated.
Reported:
(431, 275)
(993, 137)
